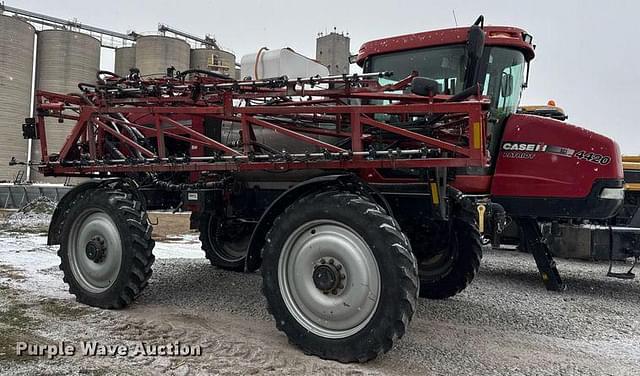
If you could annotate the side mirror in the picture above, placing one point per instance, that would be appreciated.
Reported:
(506, 85)
(425, 86)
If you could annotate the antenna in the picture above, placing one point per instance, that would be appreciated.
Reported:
(454, 16)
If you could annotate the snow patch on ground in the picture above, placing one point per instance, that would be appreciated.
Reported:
(23, 245)
(36, 261)
(33, 217)
(28, 222)
(39, 262)
(186, 246)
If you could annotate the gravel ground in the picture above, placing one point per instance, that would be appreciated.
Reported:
(505, 323)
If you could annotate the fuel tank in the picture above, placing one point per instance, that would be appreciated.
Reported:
(548, 168)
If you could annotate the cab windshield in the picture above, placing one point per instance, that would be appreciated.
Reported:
(502, 68)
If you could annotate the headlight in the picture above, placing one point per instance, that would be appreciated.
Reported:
(612, 193)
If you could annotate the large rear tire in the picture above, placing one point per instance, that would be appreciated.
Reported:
(106, 248)
(339, 277)
(224, 244)
(451, 269)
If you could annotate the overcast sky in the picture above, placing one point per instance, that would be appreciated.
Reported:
(587, 56)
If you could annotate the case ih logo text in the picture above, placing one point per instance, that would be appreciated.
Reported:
(525, 150)
(523, 146)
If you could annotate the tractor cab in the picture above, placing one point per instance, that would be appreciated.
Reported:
(502, 70)
(501, 64)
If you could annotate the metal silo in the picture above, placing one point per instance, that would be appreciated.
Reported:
(63, 59)
(16, 70)
(125, 60)
(155, 53)
(213, 59)
(216, 60)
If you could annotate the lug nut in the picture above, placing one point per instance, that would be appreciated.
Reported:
(331, 261)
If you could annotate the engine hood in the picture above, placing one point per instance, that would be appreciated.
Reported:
(543, 157)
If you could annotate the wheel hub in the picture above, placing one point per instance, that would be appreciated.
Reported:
(96, 249)
(329, 276)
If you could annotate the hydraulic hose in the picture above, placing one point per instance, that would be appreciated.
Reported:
(207, 72)
(114, 150)
(169, 186)
(464, 94)
(106, 73)
(255, 66)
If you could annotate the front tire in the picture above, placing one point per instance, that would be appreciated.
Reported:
(339, 277)
(106, 248)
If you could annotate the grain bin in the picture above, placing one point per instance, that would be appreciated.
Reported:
(213, 59)
(155, 53)
(63, 59)
(125, 60)
(16, 70)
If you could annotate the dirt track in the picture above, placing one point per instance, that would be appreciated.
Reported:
(505, 323)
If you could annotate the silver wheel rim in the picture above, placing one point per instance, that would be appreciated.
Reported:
(96, 275)
(329, 315)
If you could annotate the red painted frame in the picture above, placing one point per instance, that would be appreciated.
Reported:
(96, 119)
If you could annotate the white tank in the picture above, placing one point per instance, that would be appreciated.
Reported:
(156, 53)
(276, 63)
(16, 70)
(280, 62)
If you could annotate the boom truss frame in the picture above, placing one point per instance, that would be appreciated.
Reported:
(302, 110)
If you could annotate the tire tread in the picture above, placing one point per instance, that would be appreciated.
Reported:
(139, 230)
(380, 339)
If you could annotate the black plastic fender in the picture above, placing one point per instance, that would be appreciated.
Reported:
(349, 182)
